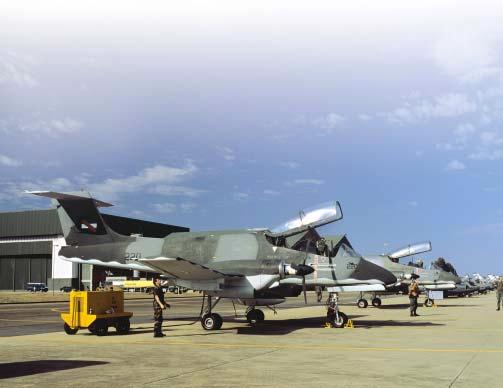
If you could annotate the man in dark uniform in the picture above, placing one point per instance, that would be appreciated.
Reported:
(413, 295)
(159, 305)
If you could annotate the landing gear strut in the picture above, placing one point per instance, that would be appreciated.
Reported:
(335, 317)
(254, 315)
(209, 320)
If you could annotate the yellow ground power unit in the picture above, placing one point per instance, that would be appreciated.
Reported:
(96, 311)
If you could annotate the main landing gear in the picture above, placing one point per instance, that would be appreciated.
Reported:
(254, 316)
(335, 317)
(209, 320)
(362, 302)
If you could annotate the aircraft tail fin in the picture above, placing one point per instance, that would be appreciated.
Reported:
(80, 219)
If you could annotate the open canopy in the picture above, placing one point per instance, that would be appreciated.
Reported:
(410, 250)
(309, 218)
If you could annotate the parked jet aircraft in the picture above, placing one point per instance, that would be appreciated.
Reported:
(428, 279)
(251, 266)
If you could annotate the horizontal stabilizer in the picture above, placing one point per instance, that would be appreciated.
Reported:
(69, 196)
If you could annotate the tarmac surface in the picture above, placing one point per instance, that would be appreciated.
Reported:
(459, 343)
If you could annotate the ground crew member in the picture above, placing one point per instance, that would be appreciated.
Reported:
(159, 305)
(413, 295)
(499, 291)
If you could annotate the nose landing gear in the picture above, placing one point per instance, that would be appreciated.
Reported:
(335, 317)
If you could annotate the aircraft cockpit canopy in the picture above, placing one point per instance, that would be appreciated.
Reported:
(309, 218)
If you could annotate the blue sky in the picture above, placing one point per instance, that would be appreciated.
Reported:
(240, 114)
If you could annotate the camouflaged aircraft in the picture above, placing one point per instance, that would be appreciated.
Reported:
(434, 279)
(252, 266)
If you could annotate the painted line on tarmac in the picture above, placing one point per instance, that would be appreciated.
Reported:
(316, 347)
(27, 320)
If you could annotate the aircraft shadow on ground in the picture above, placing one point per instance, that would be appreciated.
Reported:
(377, 324)
(27, 368)
(394, 306)
(285, 326)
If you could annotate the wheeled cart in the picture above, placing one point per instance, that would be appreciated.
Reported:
(96, 311)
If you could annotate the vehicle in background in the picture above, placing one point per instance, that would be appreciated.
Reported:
(34, 287)
(66, 289)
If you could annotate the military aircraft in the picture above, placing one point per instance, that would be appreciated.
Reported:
(434, 279)
(254, 267)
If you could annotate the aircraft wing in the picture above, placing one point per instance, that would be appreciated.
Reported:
(184, 269)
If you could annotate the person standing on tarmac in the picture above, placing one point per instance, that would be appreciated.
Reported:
(499, 291)
(413, 295)
(159, 305)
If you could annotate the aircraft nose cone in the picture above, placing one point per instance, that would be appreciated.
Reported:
(367, 270)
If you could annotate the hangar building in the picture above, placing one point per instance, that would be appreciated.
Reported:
(30, 242)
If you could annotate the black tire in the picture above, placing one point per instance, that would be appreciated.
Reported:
(428, 302)
(254, 316)
(260, 316)
(341, 322)
(69, 330)
(101, 328)
(122, 326)
(218, 321)
(376, 302)
(211, 322)
(362, 303)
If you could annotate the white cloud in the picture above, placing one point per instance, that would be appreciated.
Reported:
(305, 182)
(485, 154)
(469, 56)
(364, 117)
(271, 192)
(165, 208)
(226, 153)
(240, 196)
(53, 128)
(16, 70)
(159, 179)
(292, 165)
(9, 162)
(328, 123)
(170, 190)
(455, 165)
(448, 105)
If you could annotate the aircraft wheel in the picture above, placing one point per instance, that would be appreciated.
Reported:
(362, 303)
(341, 321)
(254, 316)
(428, 302)
(69, 330)
(122, 326)
(376, 302)
(211, 321)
